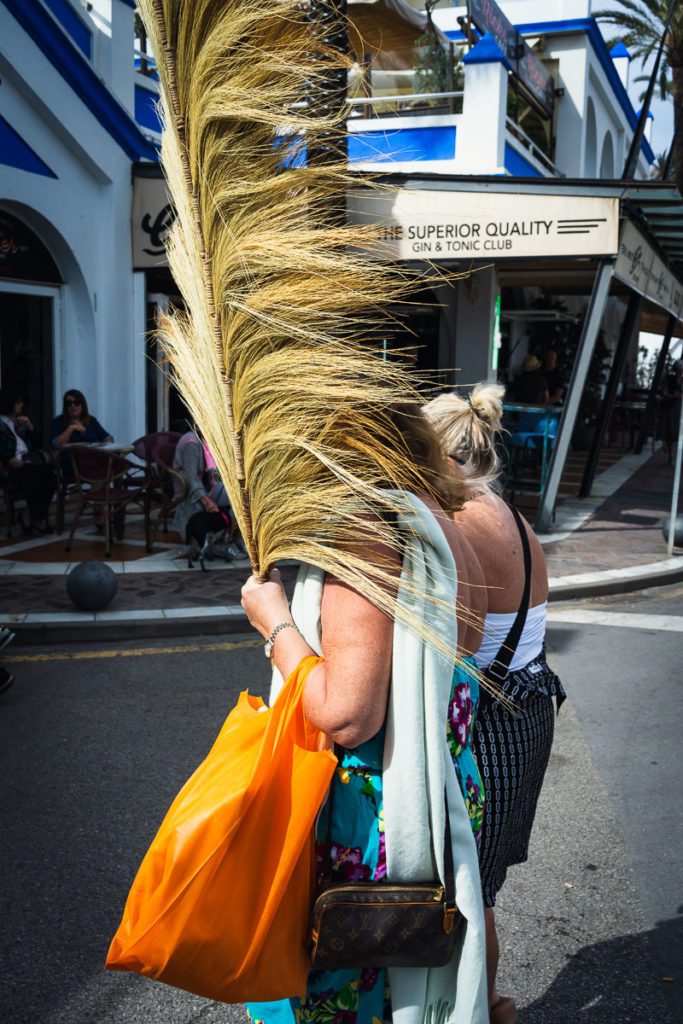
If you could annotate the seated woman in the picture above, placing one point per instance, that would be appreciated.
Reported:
(75, 424)
(204, 489)
(22, 467)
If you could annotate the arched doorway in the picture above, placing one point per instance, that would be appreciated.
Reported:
(607, 159)
(30, 285)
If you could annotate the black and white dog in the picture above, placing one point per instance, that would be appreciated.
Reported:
(203, 530)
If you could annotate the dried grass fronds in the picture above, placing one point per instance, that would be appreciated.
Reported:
(273, 353)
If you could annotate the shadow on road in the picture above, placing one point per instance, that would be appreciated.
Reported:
(624, 979)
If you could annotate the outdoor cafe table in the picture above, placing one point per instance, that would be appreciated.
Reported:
(531, 432)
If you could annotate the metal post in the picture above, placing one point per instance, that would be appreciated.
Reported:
(677, 487)
(631, 316)
(637, 140)
(327, 93)
(654, 387)
(584, 354)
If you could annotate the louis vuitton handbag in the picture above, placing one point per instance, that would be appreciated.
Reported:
(382, 924)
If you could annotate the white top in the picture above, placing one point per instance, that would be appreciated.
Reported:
(22, 447)
(497, 627)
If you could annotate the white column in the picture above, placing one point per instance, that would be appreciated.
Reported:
(122, 56)
(139, 367)
(622, 62)
(474, 326)
(480, 140)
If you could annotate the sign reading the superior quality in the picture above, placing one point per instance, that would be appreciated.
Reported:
(415, 224)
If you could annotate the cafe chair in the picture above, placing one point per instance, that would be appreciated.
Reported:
(173, 485)
(107, 483)
(10, 492)
(156, 451)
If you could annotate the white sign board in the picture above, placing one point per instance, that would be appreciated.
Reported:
(152, 217)
(416, 224)
(639, 266)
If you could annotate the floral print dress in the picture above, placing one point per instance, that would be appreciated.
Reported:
(356, 831)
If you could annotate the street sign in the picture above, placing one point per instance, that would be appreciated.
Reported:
(488, 17)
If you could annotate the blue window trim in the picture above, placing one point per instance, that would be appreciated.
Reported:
(591, 28)
(70, 21)
(16, 152)
(146, 113)
(400, 145)
(79, 74)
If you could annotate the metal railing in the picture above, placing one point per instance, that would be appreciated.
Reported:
(532, 147)
(406, 103)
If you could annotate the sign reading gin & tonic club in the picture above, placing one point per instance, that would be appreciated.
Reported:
(416, 224)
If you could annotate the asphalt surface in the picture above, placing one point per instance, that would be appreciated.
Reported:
(95, 742)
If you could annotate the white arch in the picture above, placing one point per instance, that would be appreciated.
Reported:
(74, 355)
(607, 158)
(590, 162)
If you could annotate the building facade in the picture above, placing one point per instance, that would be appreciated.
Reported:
(521, 96)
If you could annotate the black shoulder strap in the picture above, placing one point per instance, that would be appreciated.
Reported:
(500, 666)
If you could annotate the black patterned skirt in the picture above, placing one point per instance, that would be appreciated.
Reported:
(512, 749)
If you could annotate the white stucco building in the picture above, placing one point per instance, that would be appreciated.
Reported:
(535, 97)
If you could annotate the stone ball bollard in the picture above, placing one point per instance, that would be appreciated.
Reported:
(678, 530)
(91, 586)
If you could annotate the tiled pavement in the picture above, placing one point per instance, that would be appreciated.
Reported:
(625, 530)
(622, 531)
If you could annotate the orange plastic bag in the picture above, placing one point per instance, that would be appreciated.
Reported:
(221, 902)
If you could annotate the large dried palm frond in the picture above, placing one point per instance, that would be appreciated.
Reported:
(274, 352)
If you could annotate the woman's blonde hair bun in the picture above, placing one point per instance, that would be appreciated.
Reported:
(467, 428)
(487, 402)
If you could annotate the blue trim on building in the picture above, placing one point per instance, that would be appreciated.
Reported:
(517, 165)
(487, 51)
(16, 152)
(146, 113)
(619, 50)
(80, 76)
(604, 55)
(592, 30)
(67, 17)
(129, 3)
(402, 144)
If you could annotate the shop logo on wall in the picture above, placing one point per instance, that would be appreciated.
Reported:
(152, 218)
(419, 224)
(157, 228)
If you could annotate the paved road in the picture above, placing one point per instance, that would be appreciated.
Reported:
(95, 743)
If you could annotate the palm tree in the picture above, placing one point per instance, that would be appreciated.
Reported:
(661, 168)
(642, 25)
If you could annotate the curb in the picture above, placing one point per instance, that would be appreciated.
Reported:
(46, 628)
(78, 627)
(616, 581)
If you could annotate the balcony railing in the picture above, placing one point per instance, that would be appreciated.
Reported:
(406, 104)
(532, 148)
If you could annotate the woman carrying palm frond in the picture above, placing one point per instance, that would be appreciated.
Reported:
(327, 459)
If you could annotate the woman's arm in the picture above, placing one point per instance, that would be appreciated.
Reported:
(66, 435)
(345, 696)
(101, 433)
(8, 447)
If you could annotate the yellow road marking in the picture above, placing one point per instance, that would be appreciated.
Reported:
(136, 652)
